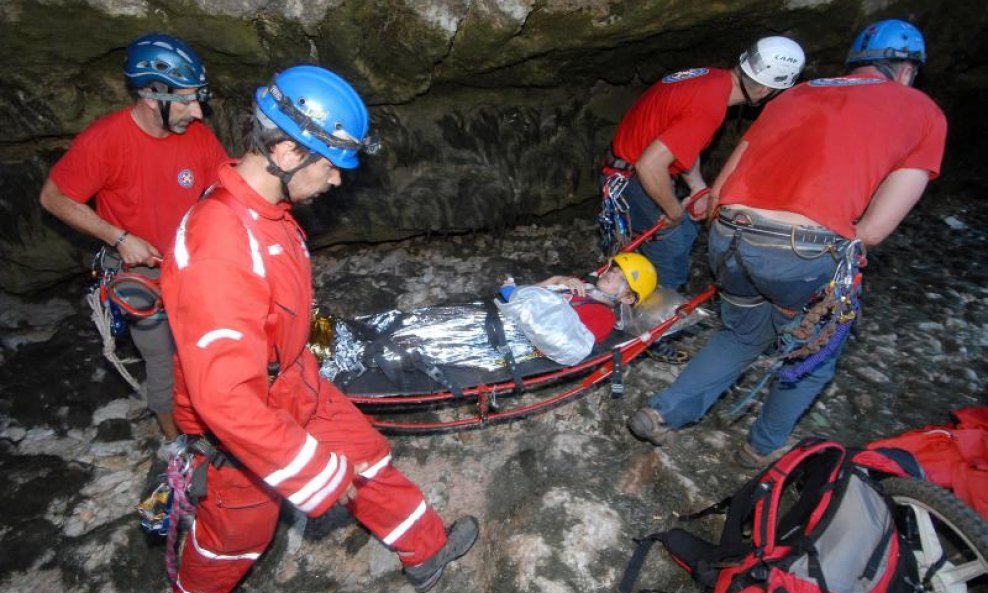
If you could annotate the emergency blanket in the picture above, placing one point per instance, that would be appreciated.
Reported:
(549, 323)
(446, 335)
(454, 335)
(954, 456)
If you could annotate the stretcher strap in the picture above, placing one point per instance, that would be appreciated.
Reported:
(495, 334)
(617, 376)
(414, 358)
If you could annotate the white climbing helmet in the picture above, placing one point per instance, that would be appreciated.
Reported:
(774, 62)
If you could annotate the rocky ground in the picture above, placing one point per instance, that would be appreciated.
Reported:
(560, 496)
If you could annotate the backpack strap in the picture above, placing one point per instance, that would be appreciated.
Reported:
(634, 567)
(774, 479)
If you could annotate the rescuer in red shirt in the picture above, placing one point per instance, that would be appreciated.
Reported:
(662, 136)
(829, 169)
(238, 287)
(145, 165)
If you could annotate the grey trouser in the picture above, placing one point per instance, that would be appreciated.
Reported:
(153, 339)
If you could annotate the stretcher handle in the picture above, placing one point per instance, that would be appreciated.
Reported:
(660, 224)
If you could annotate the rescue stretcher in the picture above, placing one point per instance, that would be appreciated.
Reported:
(489, 392)
(494, 396)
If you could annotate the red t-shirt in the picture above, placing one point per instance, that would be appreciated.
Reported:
(598, 318)
(822, 148)
(142, 184)
(684, 110)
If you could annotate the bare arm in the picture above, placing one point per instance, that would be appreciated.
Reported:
(652, 169)
(694, 178)
(894, 198)
(134, 250)
(575, 284)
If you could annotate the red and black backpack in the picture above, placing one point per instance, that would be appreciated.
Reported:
(812, 522)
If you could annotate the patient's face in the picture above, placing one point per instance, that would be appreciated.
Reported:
(612, 281)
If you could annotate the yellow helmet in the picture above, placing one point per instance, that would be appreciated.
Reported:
(639, 272)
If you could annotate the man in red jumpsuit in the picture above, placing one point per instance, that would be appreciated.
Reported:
(146, 164)
(237, 285)
(831, 162)
(664, 132)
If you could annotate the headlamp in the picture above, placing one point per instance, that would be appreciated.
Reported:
(202, 95)
(340, 139)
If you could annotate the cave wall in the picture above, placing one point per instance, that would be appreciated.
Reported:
(491, 112)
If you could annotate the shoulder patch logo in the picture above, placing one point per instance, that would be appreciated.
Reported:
(685, 75)
(186, 178)
(844, 81)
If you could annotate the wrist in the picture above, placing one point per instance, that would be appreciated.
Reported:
(123, 237)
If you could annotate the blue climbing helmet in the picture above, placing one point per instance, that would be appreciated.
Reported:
(888, 40)
(320, 111)
(159, 57)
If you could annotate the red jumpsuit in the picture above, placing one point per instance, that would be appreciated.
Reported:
(237, 285)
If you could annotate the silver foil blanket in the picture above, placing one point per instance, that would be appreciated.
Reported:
(455, 335)
(447, 335)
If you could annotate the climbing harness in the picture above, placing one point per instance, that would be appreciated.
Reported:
(819, 331)
(168, 509)
(111, 300)
(614, 219)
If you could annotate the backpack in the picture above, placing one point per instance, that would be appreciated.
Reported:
(812, 522)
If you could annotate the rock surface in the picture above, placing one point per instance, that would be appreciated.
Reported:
(492, 112)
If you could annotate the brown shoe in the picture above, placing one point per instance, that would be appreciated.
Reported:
(748, 458)
(647, 425)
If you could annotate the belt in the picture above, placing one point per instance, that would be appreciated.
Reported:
(750, 222)
(613, 161)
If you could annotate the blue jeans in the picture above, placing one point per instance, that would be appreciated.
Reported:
(670, 253)
(773, 272)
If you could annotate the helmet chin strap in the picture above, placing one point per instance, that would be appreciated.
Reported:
(286, 176)
(164, 108)
(885, 69)
(742, 82)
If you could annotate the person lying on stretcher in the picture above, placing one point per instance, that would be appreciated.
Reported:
(559, 318)
(629, 279)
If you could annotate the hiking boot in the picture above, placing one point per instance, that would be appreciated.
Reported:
(662, 352)
(748, 458)
(647, 425)
(459, 539)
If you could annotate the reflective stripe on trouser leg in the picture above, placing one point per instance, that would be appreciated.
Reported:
(387, 502)
(225, 541)
(394, 510)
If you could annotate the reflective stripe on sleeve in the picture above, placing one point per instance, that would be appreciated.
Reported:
(180, 251)
(301, 459)
(405, 525)
(218, 334)
(255, 254)
(321, 495)
(316, 484)
(373, 470)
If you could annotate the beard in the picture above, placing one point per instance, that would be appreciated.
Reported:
(180, 126)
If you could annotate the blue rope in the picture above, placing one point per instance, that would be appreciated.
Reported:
(794, 373)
